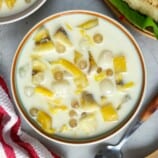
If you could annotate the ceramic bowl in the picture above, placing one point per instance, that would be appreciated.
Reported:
(116, 38)
(22, 14)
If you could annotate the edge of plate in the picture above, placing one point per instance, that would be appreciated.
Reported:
(23, 14)
(127, 22)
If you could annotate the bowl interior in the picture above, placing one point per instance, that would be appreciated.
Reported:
(22, 14)
(117, 39)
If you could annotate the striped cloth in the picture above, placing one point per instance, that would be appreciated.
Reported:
(14, 143)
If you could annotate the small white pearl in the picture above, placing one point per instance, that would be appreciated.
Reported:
(23, 70)
(29, 91)
(84, 44)
(105, 59)
(107, 87)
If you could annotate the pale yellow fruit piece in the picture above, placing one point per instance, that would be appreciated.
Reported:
(88, 102)
(119, 78)
(10, 3)
(68, 26)
(77, 56)
(44, 47)
(0, 4)
(80, 78)
(38, 66)
(56, 109)
(126, 86)
(43, 91)
(120, 64)
(109, 113)
(64, 128)
(62, 36)
(45, 122)
(86, 36)
(92, 63)
(89, 24)
(57, 101)
(42, 35)
(100, 76)
(88, 123)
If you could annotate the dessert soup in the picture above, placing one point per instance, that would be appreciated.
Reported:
(78, 76)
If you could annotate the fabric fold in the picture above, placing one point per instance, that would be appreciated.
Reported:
(15, 143)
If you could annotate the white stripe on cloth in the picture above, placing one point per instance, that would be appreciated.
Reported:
(39, 148)
(19, 152)
(8, 107)
(2, 153)
(41, 151)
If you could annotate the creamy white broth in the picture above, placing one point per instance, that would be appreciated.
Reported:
(20, 5)
(114, 41)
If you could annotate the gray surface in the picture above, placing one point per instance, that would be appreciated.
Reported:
(145, 140)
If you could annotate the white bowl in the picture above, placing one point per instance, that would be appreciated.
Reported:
(124, 35)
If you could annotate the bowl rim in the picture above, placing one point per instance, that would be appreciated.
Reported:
(23, 14)
(99, 138)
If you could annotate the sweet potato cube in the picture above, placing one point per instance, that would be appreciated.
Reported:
(109, 113)
(120, 64)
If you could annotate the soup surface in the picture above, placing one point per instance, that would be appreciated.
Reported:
(78, 76)
(10, 7)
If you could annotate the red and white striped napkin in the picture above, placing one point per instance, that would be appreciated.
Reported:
(15, 143)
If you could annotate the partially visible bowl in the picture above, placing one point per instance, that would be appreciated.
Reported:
(78, 77)
(18, 15)
(146, 31)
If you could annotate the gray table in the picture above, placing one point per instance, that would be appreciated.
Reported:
(145, 140)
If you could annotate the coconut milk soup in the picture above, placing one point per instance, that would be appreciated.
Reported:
(78, 76)
(10, 7)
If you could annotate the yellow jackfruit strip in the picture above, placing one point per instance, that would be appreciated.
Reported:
(45, 122)
(109, 113)
(77, 56)
(38, 65)
(119, 78)
(55, 109)
(10, 3)
(41, 34)
(89, 24)
(69, 27)
(44, 47)
(43, 91)
(0, 4)
(62, 36)
(92, 63)
(79, 77)
(126, 86)
(100, 76)
(86, 36)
